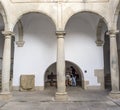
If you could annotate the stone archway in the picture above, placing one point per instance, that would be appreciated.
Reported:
(2, 42)
(50, 78)
(39, 37)
(80, 46)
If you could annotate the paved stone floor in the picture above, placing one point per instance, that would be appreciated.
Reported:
(44, 100)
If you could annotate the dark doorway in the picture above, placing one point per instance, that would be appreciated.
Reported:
(51, 78)
(107, 62)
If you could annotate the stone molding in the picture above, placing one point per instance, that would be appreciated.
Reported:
(115, 95)
(61, 96)
(112, 33)
(8, 34)
(99, 42)
(20, 43)
(60, 34)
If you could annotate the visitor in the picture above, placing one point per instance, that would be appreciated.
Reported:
(73, 76)
(67, 79)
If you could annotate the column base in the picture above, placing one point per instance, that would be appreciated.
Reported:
(114, 94)
(5, 95)
(61, 96)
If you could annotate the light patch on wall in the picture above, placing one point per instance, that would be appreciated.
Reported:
(42, 1)
(99, 73)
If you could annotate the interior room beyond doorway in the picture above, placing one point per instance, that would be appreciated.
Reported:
(51, 77)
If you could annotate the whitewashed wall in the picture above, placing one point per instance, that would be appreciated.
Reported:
(80, 45)
(39, 51)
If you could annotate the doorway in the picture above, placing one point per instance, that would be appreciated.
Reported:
(50, 78)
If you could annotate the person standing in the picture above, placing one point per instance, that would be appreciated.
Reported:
(73, 76)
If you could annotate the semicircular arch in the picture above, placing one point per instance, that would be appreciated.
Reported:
(4, 16)
(77, 68)
(117, 13)
(85, 11)
(117, 8)
(33, 11)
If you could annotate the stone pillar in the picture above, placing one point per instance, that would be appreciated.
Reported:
(114, 62)
(61, 93)
(6, 62)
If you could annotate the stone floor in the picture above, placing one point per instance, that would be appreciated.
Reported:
(44, 100)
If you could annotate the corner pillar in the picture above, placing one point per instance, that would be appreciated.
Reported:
(114, 68)
(61, 93)
(6, 63)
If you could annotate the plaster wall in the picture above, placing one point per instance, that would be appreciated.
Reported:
(39, 51)
(80, 46)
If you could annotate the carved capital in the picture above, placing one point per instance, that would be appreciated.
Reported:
(99, 42)
(20, 43)
(8, 33)
(112, 33)
(60, 33)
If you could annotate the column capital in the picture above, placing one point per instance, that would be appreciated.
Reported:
(112, 33)
(8, 33)
(20, 43)
(60, 33)
(99, 42)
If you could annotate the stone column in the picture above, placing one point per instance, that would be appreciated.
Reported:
(114, 62)
(6, 62)
(61, 93)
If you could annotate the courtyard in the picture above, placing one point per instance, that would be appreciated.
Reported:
(79, 99)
